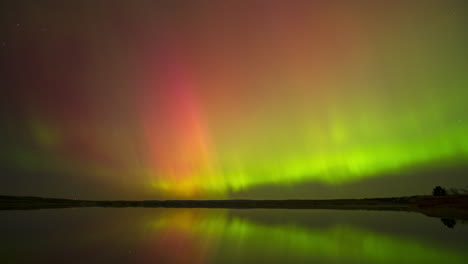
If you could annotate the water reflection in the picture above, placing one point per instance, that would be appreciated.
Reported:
(227, 236)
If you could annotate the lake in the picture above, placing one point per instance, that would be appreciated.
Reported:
(152, 235)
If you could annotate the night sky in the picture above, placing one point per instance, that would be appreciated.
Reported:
(223, 99)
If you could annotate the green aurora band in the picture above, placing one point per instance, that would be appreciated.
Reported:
(205, 104)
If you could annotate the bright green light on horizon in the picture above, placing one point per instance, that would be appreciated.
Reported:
(332, 167)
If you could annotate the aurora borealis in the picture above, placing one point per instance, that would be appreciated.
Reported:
(177, 99)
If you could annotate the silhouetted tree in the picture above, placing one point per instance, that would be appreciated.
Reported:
(439, 191)
(450, 223)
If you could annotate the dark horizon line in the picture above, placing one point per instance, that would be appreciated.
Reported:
(3, 196)
(449, 206)
(395, 199)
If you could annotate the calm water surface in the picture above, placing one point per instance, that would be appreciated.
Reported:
(140, 235)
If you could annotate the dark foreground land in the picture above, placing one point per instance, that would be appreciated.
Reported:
(450, 206)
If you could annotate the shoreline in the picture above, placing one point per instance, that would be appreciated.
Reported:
(450, 206)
